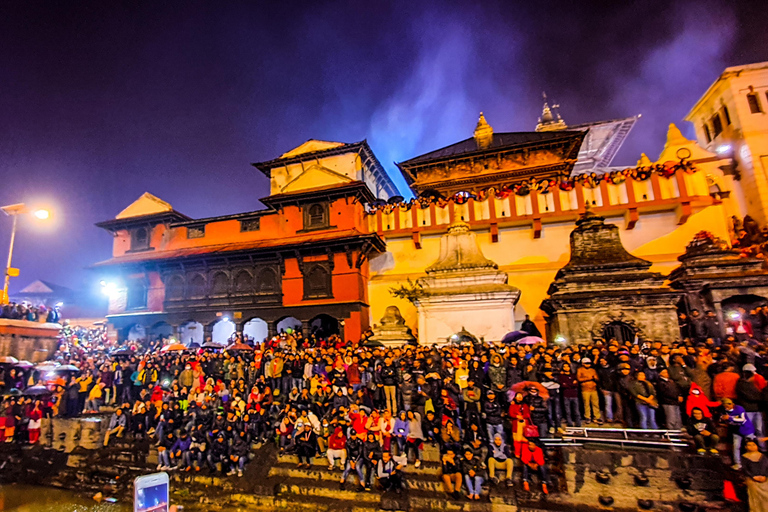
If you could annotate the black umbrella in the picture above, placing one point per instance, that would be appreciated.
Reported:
(125, 351)
(373, 344)
(37, 391)
(211, 344)
(513, 336)
(14, 392)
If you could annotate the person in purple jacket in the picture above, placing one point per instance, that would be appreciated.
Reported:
(740, 426)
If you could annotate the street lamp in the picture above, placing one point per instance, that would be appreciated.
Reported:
(14, 210)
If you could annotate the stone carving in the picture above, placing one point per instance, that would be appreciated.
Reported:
(393, 330)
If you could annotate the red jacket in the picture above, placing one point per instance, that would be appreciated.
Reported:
(528, 456)
(337, 440)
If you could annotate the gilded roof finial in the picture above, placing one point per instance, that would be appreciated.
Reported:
(547, 120)
(483, 133)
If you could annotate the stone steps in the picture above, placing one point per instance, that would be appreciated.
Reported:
(415, 480)
(428, 468)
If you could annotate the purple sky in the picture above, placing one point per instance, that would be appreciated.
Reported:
(102, 101)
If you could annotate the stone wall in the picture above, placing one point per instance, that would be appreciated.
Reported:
(653, 323)
(28, 341)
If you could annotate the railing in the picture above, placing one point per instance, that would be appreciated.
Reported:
(620, 436)
(681, 192)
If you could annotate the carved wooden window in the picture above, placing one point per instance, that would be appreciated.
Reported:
(220, 284)
(317, 282)
(196, 231)
(717, 125)
(727, 116)
(250, 224)
(136, 294)
(707, 135)
(175, 288)
(243, 282)
(316, 216)
(140, 239)
(267, 282)
(196, 289)
(754, 103)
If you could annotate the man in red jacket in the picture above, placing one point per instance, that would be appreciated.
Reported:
(533, 460)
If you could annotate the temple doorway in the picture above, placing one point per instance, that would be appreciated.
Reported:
(223, 331)
(620, 331)
(289, 322)
(191, 332)
(323, 326)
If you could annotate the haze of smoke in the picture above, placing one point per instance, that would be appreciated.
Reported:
(673, 76)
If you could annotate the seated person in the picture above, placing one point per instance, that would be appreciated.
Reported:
(533, 460)
(451, 473)
(473, 474)
(500, 458)
(702, 431)
(389, 473)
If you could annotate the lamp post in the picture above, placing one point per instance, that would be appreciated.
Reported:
(14, 210)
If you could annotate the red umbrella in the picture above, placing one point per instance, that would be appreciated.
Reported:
(522, 387)
(239, 346)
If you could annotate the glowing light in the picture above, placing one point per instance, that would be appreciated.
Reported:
(59, 304)
(733, 315)
(560, 339)
(108, 288)
(42, 214)
(225, 319)
(723, 148)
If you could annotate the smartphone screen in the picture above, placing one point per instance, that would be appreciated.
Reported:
(151, 493)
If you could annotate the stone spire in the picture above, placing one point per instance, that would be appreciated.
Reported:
(483, 133)
(460, 251)
(547, 120)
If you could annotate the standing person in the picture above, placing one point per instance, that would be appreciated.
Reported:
(538, 411)
(756, 473)
(749, 397)
(670, 399)
(644, 395)
(569, 389)
(389, 380)
(473, 474)
(740, 427)
(605, 374)
(530, 327)
(588, 380)
(35, 419)
(492, 414)
(533, 460)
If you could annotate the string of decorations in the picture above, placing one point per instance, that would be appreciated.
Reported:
(541, 186)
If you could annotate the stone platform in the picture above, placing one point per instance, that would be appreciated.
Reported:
(30, 341)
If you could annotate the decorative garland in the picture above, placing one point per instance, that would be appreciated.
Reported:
(542, 186)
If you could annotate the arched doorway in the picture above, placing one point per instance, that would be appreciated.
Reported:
(256, 329)
(136, 332)
(620, 331)
(191, 332)
(222, 331)
(737, 303)
(161, 330)
(288, 322)
(323, 326)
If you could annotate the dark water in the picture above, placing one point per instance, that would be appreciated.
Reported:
(22, 498)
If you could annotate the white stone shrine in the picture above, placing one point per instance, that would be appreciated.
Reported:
(464, 289)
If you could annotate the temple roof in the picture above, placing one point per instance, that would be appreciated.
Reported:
(500, 140)
(271, 245)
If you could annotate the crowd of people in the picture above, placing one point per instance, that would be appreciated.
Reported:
(370, 410)
(30, 313)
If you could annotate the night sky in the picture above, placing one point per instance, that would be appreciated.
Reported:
(102, 101)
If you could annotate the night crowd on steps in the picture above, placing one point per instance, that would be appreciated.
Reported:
(368, 411)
